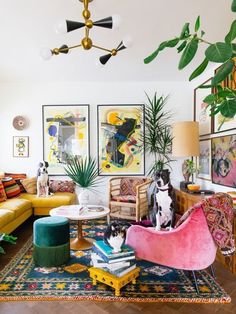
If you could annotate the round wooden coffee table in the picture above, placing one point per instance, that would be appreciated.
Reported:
(72, 212)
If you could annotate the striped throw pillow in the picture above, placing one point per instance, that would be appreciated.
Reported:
(30, 185)
(11, 188)
(3, 196)
(17, 177)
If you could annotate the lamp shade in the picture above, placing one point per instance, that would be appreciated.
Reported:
(185, 139)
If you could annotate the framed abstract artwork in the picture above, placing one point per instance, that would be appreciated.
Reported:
(204, 160)
(201, 109)
(65, 132)
(20, 146)
(120, 146)
(224, 160)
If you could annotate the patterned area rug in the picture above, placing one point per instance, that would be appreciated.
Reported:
(21, 280)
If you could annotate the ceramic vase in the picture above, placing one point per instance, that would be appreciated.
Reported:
(83, 197)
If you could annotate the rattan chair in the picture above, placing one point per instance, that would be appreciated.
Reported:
(128, 197)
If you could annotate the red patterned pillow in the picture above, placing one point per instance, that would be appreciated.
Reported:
(11, 188)
(62, 186)
(128, 185)
(3, 196)
(18, 177)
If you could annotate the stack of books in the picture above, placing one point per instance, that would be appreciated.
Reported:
(118, 264)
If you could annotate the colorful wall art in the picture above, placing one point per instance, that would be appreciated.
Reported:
(204, 160)
(120, 147)
(224, 160)
(65, 132)
(20, 146)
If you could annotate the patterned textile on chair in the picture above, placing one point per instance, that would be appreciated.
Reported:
(128, 190)
(219, 214)
(128, 186)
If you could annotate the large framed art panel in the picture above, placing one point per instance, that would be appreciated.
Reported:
(65, 132)
(201, 109)
(224, 160)
(120, 145)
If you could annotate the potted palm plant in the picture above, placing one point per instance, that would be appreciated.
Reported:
(158, 136)
(84, 173)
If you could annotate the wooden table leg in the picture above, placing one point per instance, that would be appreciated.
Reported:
(80, 243)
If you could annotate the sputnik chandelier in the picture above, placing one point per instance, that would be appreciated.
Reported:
(86, 42)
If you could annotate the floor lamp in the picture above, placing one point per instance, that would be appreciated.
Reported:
(185, 142)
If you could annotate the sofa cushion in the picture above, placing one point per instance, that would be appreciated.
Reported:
(17, 206)
(6, 216)
(124, 198)
(55, 200)
(30, 185)
(3, 196)
(12, 189)
(62, 186)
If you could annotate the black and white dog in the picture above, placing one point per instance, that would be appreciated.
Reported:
(42, 179)
(163, 213)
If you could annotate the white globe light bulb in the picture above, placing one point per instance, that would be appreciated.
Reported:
(116, 21)
(46, 53)
(128, 42)
(61, 27)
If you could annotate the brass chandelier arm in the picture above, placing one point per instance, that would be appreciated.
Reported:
(104, 49)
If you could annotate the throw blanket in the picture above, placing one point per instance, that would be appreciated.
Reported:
(219, 213)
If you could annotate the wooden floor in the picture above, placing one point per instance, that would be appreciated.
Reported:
(224, 277)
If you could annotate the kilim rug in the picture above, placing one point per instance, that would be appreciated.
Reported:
(21, 280)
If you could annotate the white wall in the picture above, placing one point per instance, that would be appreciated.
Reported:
(27, 100)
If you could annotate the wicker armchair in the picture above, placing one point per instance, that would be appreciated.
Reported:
(128, 197)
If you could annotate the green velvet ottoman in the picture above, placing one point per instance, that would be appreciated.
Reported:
(51, 241)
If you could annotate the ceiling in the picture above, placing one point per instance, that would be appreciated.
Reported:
(28, 25)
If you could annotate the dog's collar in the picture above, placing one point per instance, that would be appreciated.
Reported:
(164, 187)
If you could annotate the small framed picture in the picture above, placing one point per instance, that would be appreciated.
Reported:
(20, 146)
(224, 160)
(202, 110)
(204, 160)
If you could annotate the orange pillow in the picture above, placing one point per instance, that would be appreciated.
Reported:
(30, 185)
(3, 196)
(11, 188)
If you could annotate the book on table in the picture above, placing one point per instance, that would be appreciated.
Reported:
(114, 259)
(108, 251)
(121, 271)
(98, 262)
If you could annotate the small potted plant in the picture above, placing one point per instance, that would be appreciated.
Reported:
(84, 172)
(7, 238)
(188, 169)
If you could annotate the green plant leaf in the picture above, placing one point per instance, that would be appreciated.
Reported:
(197, 24)
(202, 33)
(199, 70)
(185, 31)
(209, 99)
(219, 52)
(223, 72)
(228, 108)
(182, 46)
(232, 33)
(188, 53)
(165, 44)
(233, 6)
(204, 86)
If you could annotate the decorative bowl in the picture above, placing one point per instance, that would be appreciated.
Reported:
(193, 187)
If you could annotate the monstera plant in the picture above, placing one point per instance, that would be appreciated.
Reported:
(222, 99)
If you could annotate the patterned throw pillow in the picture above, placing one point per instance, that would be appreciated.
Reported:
(128, 185)
(62, 186)
(11, 188)
(3, 196)
(17, 177)
(30, 185)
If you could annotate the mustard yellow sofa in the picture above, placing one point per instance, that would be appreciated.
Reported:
(13, 212)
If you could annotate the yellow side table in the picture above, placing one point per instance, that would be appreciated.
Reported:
(117, 283)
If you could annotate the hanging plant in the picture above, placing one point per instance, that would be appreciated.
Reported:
(223, 99)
